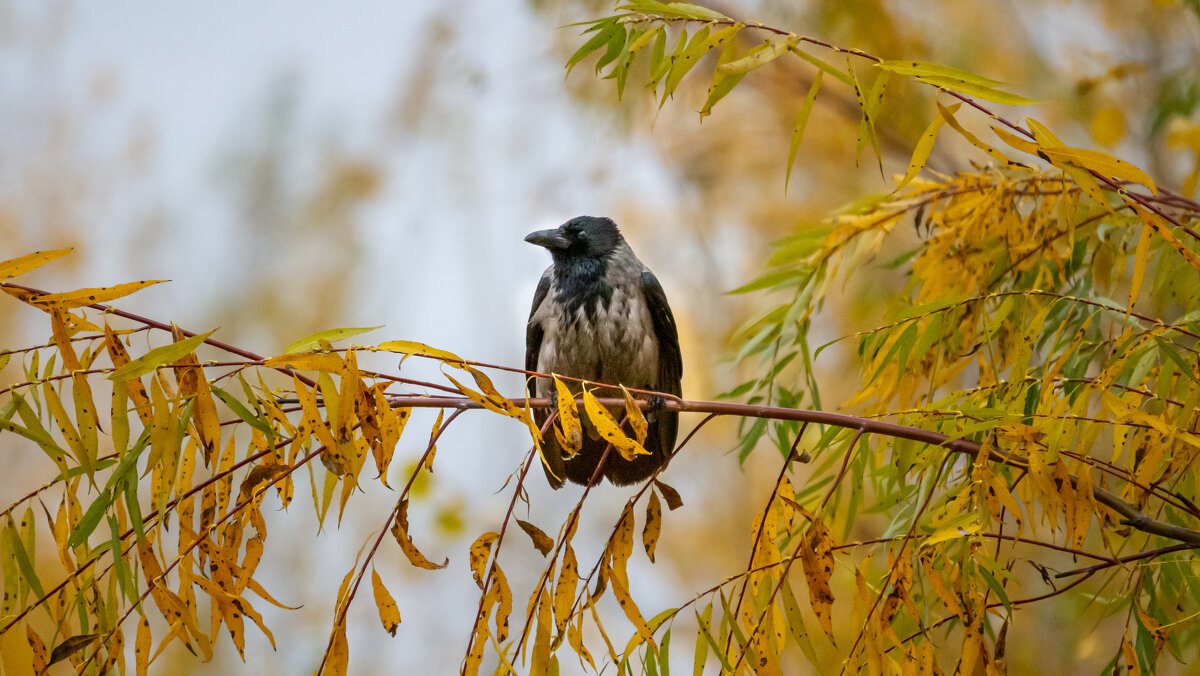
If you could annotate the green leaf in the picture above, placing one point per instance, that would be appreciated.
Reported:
(1165, 348)
(922, 69)
(159, 356)
(604, 29)
(931, 307)
(327, 336)
(684, 10)
(91, 519)
(664, 654)
(24, 561)
(681, 64)
(135, 510)
(617, 39)
(801, 123)
(822, 65)
(661, 62)
(34, 432)
(705, 622)
(771, 49)
(242, 412)
(995, 586)
(771, 280)
(799, 246)
(978, 91)
(722, 82)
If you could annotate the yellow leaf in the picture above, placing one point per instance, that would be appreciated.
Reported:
(653, 527)
(575, 639)
(1108, 126)
(564, 590)
(997, 487)
(433, 434)
(312, 424)
(945, 534)
(134, 387)
(635, 418)
(400, 532)
(924, 147)
(308, 361)
(948, 116)
(604, 423)
(570, 438)
(540, 659)
(1043, 134)
(90, 296)
(141, 647)
(1153, 626)
(337, 658)
(480, 549)
(934, 576)
(541, 541)
(773, 48)
(1101, 163)
(39, 662)
(14, 267)
(1022, 144)
(327, 336)
(1141, 256)
(1163, 229)
(503, 604)
(620, 587)
(389, 613)
(816, 556)
(621, 545)
(413, 347)
(478, 640)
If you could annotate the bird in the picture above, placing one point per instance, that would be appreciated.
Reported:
(600, 315)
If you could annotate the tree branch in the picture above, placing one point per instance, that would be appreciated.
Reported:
(1130, 514)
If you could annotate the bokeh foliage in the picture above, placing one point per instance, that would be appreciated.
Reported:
(1022, 430)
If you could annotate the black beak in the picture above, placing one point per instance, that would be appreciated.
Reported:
(552, 239)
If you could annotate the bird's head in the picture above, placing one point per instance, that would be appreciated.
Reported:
(579, 238)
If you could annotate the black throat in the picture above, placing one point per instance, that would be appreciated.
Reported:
(579, 282)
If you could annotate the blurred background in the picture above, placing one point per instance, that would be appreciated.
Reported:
(296, 166)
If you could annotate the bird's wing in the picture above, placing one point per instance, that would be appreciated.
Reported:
(554, 466)
(533, 331)
(670, 362)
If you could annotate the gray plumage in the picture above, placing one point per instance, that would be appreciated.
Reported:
(599, 314)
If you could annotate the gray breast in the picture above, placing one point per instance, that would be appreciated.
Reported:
(613, 342)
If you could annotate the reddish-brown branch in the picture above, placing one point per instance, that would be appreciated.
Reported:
(1130, 514)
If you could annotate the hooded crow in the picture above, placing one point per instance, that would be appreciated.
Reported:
(599, 314)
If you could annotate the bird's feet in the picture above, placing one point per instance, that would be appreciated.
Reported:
(654, 405)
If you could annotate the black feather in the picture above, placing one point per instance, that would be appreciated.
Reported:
(593, 266)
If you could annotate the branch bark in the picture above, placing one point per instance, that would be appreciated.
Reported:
(1130, 514)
